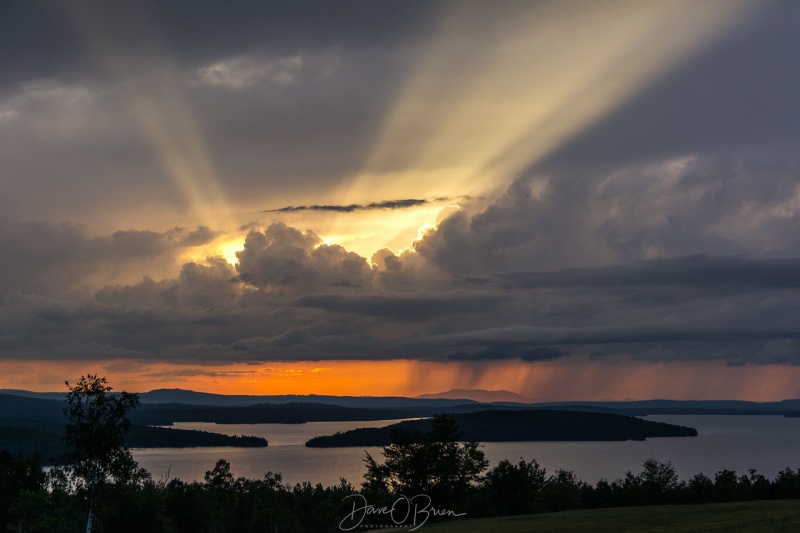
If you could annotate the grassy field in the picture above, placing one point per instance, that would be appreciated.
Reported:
(749, 516)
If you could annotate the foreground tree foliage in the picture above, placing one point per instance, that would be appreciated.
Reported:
(95, 439)
(223, 503)
(453, 474)
(433, 463)
(511, 489)
(17, 475)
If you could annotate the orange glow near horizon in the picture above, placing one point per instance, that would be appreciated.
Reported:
(551, 381)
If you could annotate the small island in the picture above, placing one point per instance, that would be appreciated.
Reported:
(158, 437)
(527, 425)
(48, 440)
(29, 425)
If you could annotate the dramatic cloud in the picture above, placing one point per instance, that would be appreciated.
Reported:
(283, 258)
(419, 306)
(387, 204)
(569, 185)
(726, 205)
(43, 258)
(692, 271)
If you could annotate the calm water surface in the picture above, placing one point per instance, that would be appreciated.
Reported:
(766, 443)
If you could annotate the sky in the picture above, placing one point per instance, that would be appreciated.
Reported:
(568, 200)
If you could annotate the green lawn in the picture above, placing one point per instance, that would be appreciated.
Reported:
(723, 517)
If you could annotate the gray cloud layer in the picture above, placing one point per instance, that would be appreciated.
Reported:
(292, 298)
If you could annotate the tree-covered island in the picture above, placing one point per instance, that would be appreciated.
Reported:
(528, 425)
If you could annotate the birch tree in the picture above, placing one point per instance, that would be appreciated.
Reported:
(95, 437)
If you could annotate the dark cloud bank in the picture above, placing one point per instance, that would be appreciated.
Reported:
(291, 297)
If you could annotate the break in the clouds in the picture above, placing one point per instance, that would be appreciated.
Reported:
(615, 181)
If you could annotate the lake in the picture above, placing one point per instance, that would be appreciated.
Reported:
(735, 442)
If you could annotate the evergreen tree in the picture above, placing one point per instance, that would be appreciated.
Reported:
(513, 489)
(435, 464)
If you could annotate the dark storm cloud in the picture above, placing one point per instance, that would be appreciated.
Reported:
(303, 341)
(715, 205)
(500, 352)
(208, 314)
(371, 206)
(693, 271)
(549, 337)
(698, 307)
(734, 346)
(419, 306)
(198, 31)
(387, 204)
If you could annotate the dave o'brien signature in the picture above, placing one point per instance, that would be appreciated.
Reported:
(414, 511)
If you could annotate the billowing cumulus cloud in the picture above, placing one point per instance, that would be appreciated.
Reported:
(698, 307)
(724, 205)
(283, 258)
(202, 285)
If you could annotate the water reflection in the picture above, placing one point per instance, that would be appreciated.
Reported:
(766, 443)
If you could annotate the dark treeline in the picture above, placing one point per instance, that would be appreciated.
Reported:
(47, 440)
(35, 424)
(525, 488)
(32, 501)
(290, 413)
(156, 437)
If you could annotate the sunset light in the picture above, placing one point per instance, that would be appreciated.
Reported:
(562, 200)
(539, 382)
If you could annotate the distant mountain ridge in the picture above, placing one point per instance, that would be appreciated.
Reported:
(184, 396)
(479, 395)
(438, 402)
(40, 395)
(189, 397)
